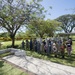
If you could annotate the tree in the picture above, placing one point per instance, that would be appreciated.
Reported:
(16, 13)
(41, 27)
(5, 34)
(67, 22)
(52, 26)
(36, 26)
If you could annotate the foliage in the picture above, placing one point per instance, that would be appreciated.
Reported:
(51, 27)
(16, 13)
(67, 22)
(4, 34)
(30, 34)
(37, 27)
(41, 27)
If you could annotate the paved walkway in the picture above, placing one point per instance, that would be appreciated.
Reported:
(39, 66)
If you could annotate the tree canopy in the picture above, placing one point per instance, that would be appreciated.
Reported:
(16, 13)
(67, 22)
(41, 27)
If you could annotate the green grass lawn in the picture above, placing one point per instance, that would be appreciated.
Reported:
(8, 43)
(7, 69)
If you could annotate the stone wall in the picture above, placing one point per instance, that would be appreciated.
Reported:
(17, 52)
(5, 51)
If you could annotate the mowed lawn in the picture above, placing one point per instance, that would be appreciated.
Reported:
(7, 69)
(8, 43)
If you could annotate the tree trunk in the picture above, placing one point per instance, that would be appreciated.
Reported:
(68, 36)
(13, 41)
(41, 36)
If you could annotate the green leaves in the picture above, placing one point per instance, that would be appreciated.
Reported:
(16, 13)
(67, 22)
(42, 27)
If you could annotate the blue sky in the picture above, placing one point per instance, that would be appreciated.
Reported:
(59, 7)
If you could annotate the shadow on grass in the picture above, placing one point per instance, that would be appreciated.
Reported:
(68, 60)
(1, 63)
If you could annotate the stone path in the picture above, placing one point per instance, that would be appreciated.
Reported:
(39, 66)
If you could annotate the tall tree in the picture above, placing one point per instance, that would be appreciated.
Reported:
(36, 26)
(52, 26)
(67, 22)
(16, 13)
(41, 27)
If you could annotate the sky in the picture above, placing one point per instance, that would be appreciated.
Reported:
(59, 8)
